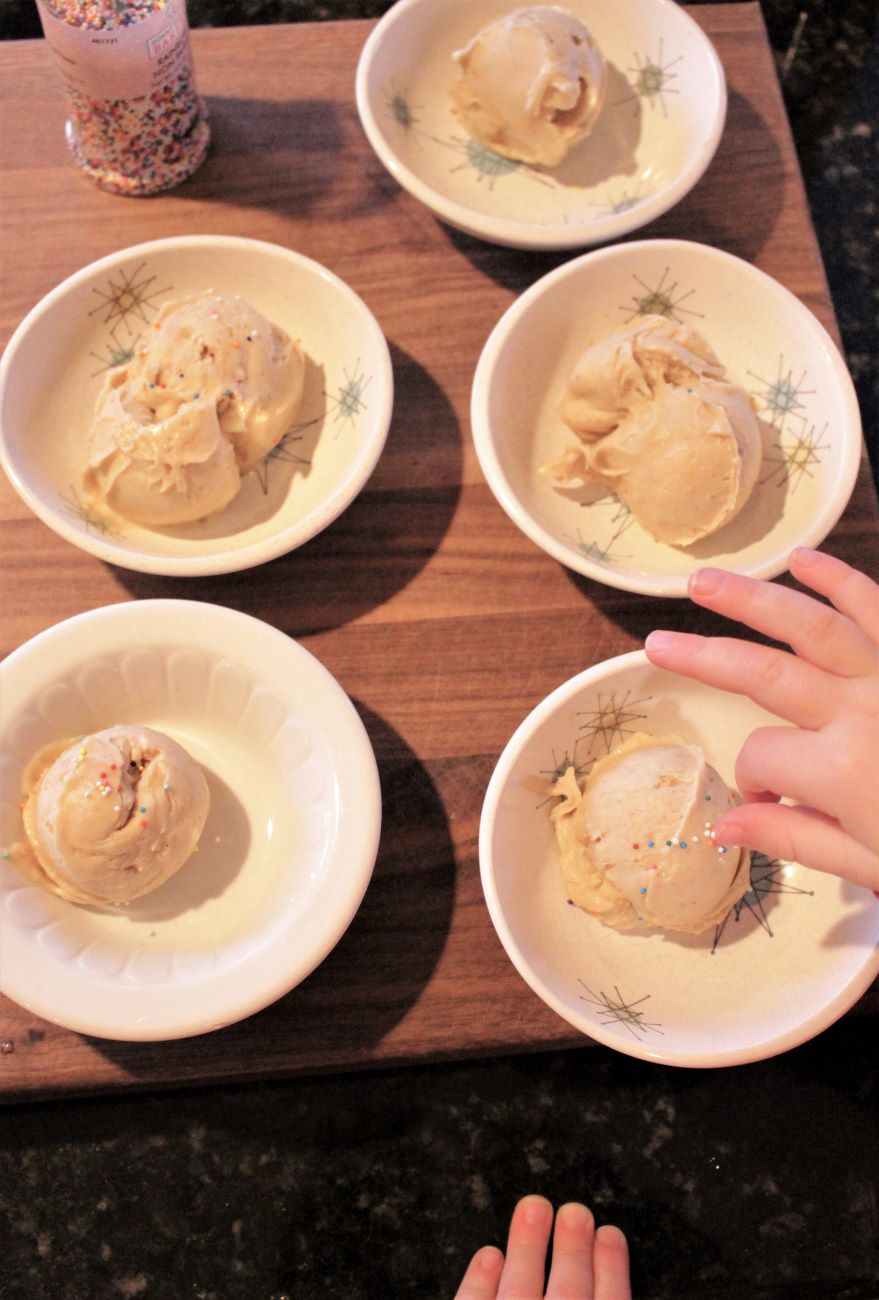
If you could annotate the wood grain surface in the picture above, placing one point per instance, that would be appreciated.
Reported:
(439, 618)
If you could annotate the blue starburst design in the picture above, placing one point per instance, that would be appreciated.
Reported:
(116, 354)
(487, 164)
(401, 110)
(349, 402)
(780, 398)
(345, 406)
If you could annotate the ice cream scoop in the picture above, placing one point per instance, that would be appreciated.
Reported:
(110, 816)
(206, 395)
(661, 427)
(531, 84)
(637, 843)
(634, 363)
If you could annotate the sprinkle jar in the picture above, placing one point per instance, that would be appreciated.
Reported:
(136, 124)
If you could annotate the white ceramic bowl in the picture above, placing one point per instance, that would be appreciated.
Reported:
(285, 857)
(57, 358)
(788, 961)
(659, 127)
(770, 344)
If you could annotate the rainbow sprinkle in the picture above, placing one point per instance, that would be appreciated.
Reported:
(138, 131)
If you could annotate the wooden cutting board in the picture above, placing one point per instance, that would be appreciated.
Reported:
(442, 621)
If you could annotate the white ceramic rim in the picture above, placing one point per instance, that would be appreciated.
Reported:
(521, 234)
(234, 993)
(246, 557)
(758, 1051)
(659, 584)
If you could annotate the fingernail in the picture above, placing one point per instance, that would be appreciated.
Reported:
(805, 557)
(610, 1235)
(535, 1210)
(730, 833)
(576, 1216)
(657, 642)
(489, 1259)
(705, 582)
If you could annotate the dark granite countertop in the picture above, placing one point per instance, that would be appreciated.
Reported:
(757, 1182)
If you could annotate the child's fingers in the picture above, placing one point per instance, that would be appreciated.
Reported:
(526, 1249)
(784, 685)
(572, 1241)
(801, 835)
(611, 1263)
(784, 762)
(853, 593)
(816, 632)
(480, 1282)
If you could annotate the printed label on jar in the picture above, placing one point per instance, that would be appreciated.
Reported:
(120, 62)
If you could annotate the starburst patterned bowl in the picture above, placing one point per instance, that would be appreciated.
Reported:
(287, 851)
(662, 118)
(786, 962)
(55, 362)
(770, 344)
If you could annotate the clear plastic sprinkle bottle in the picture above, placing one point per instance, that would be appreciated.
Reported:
(136, 124)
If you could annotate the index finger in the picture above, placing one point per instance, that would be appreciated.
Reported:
(778, 681)
(818, 634)
(852, 592)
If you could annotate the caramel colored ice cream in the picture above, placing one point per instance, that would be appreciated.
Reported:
(659, 425)
(531, 85)
(111, 816)
(208, 393)
(637, 842)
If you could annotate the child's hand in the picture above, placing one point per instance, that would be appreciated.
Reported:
(586, 1265)
(828, 761)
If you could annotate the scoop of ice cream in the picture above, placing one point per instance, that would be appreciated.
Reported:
(660, 426)
(632, 364)
(207, 394)
(531, 84)
(684, 463)
(111, 816)
(637, 844)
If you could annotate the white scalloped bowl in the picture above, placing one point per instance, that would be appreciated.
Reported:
(770, 344)
(660, 124)
(285, 857)
(784, 964)
(56, 360)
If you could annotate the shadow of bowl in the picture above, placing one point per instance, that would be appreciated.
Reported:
(372, 550)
